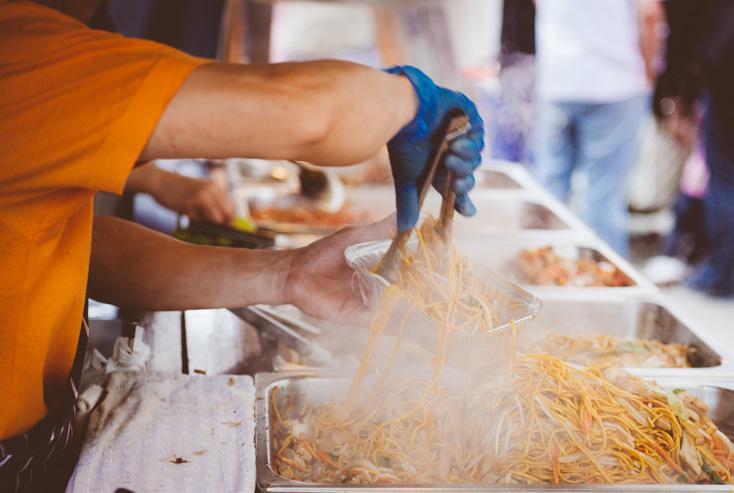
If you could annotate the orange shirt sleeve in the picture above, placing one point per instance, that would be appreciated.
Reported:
(77, 106)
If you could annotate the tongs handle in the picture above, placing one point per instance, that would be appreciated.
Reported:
(455, 125)
(459, 126)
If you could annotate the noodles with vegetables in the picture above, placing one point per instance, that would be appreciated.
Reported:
(546, 422)
(536, 420)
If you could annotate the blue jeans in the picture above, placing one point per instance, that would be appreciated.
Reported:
(600, 139)
(715, 275)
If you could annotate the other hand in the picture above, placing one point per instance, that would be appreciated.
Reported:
(410, 148)
(320, 282)
(197, 198)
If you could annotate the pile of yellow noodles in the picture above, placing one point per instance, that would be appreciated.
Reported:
(546, 422)
(436, 278)
(543, 421)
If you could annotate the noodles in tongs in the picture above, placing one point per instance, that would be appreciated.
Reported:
(423, 290)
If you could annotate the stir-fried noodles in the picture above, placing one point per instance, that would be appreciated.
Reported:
(535, 420)
(546, 422)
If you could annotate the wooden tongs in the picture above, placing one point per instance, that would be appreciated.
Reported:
(455, 125)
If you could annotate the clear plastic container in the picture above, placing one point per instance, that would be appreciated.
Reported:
(511, 303)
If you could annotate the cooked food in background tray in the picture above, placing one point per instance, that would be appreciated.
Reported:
(310, 216)
(545, 266)
(537, 421)
(604, 350)
(584, 316)
(579, 349)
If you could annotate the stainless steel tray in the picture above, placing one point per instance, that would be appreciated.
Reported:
(500, 253)
(497, 211)
(505, 213)
(506, 176)
(646, 317)
(630, 317)
(496, 179)
(719, 400)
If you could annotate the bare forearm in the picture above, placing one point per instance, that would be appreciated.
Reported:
(145, 178)
(328, 112)
(137, 268)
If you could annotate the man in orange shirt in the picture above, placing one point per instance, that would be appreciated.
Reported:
(78, 109)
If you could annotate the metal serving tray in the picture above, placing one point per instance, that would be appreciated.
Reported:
(631, 317)
(500, 253)
(620, 316)
(497, 210)
(503, 213)
(719, 400)
(496, 179)
(505, 175)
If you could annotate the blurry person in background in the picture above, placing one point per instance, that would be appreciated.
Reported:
(686, 243)
(510, 123)
(591, 87)
(699, 69)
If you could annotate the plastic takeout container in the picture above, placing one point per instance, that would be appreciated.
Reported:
(511, 303)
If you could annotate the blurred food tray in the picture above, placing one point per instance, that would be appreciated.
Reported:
(629, 318)
(505, 255)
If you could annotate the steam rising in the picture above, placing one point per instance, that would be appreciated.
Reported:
(438, 397)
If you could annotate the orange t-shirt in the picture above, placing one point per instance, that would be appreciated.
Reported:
(77, 107)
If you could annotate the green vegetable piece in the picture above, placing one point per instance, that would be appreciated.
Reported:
(630, 347)
(713, 475)
(243, 224)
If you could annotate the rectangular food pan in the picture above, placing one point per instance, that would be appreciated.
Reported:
(497, 212)
(622, 318)
(504, 255)
(719, 400)
(518, 174)
(628, 318)
(502, 213)
(496, 179)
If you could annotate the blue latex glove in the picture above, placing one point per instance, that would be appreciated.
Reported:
(410, 148)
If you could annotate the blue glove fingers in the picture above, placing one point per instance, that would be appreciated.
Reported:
(466, 147)
(462, 167)
(463, 185)
(406, 201)
(476, 134)
(470, 109)
(465, 206)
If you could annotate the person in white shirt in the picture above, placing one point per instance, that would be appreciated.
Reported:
(592, 94)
